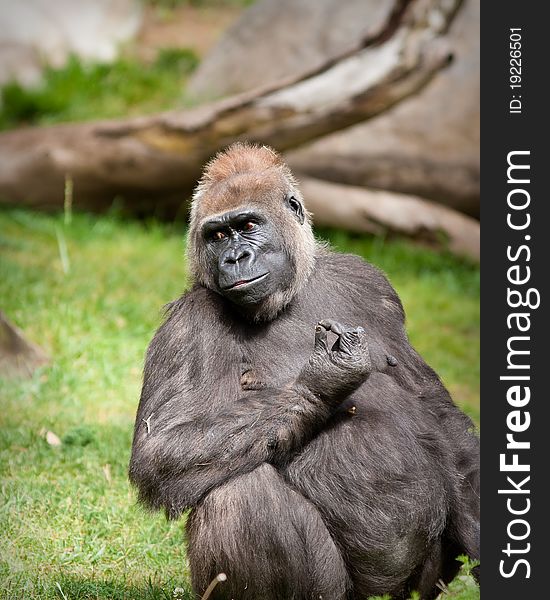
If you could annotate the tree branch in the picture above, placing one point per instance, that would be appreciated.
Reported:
(373, 211)
(155, 160)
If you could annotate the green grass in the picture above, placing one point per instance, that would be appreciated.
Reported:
(70, 527)
(81, 91)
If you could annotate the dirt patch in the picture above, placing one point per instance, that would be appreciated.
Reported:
(198, 28)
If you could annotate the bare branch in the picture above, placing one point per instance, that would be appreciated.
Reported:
(155, 160)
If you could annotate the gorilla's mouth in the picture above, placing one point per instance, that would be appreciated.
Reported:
(242, 283)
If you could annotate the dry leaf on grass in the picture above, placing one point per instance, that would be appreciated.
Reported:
(107, 472)
(51, 438)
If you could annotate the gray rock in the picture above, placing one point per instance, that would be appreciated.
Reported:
(278, 38)
(35, 32)
(427, 145)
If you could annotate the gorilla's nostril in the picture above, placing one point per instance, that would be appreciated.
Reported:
(242, 254)
(234, 256)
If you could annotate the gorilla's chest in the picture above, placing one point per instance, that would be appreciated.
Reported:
(275, 355)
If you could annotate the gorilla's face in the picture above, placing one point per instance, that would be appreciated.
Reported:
(246, 255)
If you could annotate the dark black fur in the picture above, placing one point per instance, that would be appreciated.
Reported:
(296, 495)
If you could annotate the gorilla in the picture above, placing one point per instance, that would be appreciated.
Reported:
(282, 403)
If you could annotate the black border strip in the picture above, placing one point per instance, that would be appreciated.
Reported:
(502, 132)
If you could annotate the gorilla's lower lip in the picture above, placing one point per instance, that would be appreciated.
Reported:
(245, 282)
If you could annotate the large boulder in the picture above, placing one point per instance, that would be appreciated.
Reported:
(274, 39)
(38, 32)
(427, 145)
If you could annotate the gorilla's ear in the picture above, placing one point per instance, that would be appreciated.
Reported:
(297, 208)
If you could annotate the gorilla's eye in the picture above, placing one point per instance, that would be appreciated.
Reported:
(218, 235)
(248, 226)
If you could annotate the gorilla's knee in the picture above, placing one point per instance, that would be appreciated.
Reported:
(269, 541)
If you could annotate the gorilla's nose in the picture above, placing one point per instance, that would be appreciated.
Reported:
(234, 255)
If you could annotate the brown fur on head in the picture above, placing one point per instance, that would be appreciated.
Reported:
(251, 176)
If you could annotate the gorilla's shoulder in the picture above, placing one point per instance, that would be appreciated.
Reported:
(186, 323)
(193, 305)
(352, 270)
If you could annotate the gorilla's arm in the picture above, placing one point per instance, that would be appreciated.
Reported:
(175, 462)
(182, 449)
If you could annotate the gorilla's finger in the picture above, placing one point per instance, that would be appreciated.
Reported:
(350, 341)
(321, 338)
(333, 326)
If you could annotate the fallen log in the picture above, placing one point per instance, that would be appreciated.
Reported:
(18, 356)
(153, 162)
(380, 212)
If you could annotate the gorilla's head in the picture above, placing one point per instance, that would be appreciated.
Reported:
(250, 237)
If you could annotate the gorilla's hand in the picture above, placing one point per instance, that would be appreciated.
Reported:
(334, 372)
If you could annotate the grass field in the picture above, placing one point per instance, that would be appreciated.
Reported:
(90, 292)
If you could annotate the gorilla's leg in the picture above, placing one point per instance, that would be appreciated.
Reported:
(425, 581)
(463, 527)
(466, 534)
(442, 564)
(269, 541)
